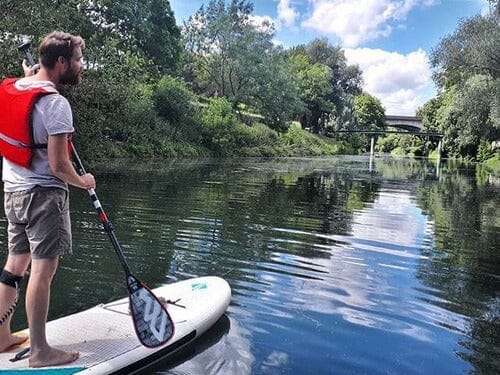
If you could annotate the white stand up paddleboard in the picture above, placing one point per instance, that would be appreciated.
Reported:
(105, 337)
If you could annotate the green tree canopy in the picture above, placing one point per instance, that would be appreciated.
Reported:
(315, 89)
(328, 83)
(231, 56)
(119, 34)
(467, 67)
(369, 112)
(474, 48)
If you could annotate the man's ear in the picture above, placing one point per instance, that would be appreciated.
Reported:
(61, 60)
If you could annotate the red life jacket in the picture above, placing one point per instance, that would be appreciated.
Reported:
(16, 125)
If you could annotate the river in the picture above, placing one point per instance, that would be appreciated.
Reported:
(337, 265)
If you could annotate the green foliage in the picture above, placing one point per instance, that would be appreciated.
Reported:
(345, 82)
(230, 56)
(218, 122)
(466, 66)
(474, 48)
(274, 93)
(484, 151)
(256, 140)
(223, 134)
(114, 31)
(369, 112)
(468, 114)
(174, 102)
(400, 144)
(132, 103)
(301, 142)
(314, 84)
(493, 164)
(219, 114)
(221, 46)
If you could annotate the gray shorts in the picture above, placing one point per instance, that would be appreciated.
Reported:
(39, 222)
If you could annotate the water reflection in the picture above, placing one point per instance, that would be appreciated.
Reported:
(337, 265)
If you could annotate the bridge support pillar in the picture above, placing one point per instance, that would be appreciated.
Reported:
(372, 146)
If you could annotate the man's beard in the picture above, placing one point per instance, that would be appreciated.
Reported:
(70, 77)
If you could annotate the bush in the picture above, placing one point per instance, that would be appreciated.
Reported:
(175, 103)
(484, 151)
(257, 135)
(108, 115)
(218, 121)
(301, 142)
(493, 164)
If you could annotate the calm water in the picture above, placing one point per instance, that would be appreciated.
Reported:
(336, 266)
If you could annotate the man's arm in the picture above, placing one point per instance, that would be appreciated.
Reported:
(61, 166)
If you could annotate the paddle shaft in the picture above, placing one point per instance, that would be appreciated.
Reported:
(108, 226)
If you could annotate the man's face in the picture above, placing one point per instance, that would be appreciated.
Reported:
(73, 73)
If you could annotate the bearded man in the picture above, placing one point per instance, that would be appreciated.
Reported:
(36, 125)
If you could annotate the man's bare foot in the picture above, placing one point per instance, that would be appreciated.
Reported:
(52, 357)
(12, 340)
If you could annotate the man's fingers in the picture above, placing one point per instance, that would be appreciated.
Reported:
(30, 70)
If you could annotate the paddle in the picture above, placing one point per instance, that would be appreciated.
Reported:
(152, 323)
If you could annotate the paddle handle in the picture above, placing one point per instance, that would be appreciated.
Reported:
(103, 218)
(25, 48)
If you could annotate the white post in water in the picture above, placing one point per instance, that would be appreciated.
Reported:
(438, 160)
(372, 146)
(440, 146)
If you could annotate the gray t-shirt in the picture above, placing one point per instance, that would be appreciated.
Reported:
(51, 115)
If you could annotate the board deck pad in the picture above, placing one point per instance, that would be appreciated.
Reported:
(105, 337)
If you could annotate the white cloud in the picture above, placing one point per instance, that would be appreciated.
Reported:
(262, 23)
(286, 13)
(355, 22)
(402, 82)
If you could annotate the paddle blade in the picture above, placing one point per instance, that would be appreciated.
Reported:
(152, 323)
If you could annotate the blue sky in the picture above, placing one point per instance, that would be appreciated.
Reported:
(389, 39)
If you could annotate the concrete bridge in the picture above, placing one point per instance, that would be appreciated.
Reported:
(410, 123)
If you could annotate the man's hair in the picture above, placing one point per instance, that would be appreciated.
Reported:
(58, 44)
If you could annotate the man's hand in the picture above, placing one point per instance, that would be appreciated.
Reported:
(88, 181)
(29, 71)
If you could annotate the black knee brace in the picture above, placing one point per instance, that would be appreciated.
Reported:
(13, 281)
(10, 279)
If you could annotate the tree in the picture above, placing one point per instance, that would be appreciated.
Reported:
(329, 101)
(345, 80)
(466, 66)
(472, 117)
(369, 112)
(274, 92)
(474, 48)
(215, 39)
(232, 57)
(315, 89)
(146, 27)
(429, 114)
(141, 35)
